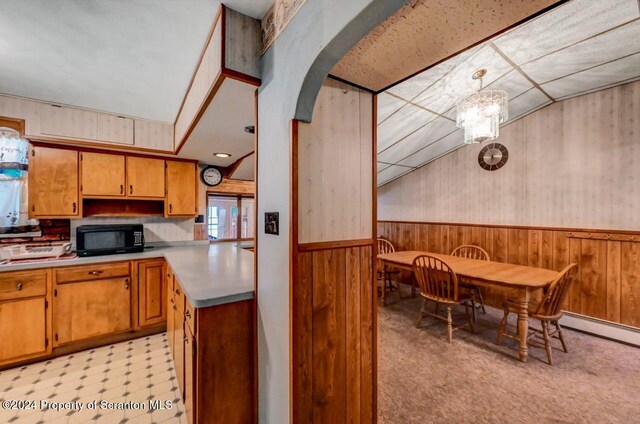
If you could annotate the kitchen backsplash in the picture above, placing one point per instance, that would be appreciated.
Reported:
(156, 229)
(52, 230)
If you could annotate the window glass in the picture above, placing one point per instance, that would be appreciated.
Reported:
(222, 214)
(248, 222)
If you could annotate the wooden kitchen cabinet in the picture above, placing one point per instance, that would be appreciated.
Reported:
(25, 317)
(68, 122)
(94, 308)
(181, 189)
(213, 353)
(115, 129)
(102, 174)
(152, 292)
(145, 177)
(53, 183)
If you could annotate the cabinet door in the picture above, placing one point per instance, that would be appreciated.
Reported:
(189, 373)
(91, 308)
(115, 129)
(145, 177)
(170, 311)
(53, 183)
(153, 135)
(178, 341)
(68, 122)
(23, 329)
(152, 292)
(181, 189)
(102, 174)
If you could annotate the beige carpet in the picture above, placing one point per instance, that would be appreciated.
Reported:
(423, 379)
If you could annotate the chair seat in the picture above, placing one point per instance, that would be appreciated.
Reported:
(461, 300)
(512, 306)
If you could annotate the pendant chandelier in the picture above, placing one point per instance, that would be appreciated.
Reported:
(481, 114)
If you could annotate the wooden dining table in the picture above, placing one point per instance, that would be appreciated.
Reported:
(522, 279)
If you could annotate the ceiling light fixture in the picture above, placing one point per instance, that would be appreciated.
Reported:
(481, 114)
(222, 155)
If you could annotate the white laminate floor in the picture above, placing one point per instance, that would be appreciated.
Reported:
(138, 371)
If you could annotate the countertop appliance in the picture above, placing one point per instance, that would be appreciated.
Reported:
(92, 240)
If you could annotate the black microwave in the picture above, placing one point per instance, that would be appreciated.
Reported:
(92, 240)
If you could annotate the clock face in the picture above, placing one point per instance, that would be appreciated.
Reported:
(211, 176)
(493, 156)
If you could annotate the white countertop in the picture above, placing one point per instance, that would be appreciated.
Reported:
(210, 274)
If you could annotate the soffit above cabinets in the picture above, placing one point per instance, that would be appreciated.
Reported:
(576, 48)
(134, 57)
(221, 127)
(425, 32)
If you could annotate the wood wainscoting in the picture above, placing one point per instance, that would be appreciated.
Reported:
(333, 325)
(608, 284)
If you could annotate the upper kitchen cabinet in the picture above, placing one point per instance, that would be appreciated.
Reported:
(181, 189)
(102, 174)
(53, 183)
(230, 55)
(145, 177)
(73, 125)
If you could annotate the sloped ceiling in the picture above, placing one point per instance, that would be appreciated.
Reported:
(578, 47)
(424, 32)
(131, 57)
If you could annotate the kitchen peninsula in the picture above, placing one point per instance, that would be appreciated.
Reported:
(201, 293)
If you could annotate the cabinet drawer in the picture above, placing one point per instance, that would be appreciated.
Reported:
(17, 285)
(190, 316)
(92, 272)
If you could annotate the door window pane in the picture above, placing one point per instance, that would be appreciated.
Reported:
(248, 222)
(222, 217)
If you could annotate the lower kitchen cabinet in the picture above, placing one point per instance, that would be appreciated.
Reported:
(152, 292)
(25, 318)
(86, 309)
(213, 350)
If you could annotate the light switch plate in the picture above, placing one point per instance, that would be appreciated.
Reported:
(272, 223)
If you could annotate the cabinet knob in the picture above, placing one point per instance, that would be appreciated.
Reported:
(98, 272)
(121, 189)
(186, 339)
(75, 206)
(170, 208)
(19, 286)
(126, 285)
(131, 189)
(187, 314)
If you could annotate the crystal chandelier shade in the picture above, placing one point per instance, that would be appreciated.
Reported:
(481, 114)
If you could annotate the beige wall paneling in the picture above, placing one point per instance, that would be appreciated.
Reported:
(206, 74)
(242, 43)
(15, 107)
(115, 129)
(572, 164)
(334, 166)
(153, 135)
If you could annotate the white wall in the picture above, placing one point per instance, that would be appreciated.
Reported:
(572, 164)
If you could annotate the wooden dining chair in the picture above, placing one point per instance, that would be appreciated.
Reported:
(439, 284)
(384, 272)
(548, 311)
(472, 252)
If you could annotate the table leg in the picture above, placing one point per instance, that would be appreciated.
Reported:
(523, 322)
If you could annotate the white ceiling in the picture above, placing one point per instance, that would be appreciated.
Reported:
(133, 57)
(576, 48)
(246, 170)
(221, 128)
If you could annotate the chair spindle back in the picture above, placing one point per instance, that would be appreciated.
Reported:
(384, 246)
(557, 292)
(470, 251)
(436, 279)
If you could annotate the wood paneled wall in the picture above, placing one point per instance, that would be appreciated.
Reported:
(575, 163)
(335, 157)
(608, 285)
(333, 324)
(333, 296)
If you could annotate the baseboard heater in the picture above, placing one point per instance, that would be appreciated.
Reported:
(609, 330)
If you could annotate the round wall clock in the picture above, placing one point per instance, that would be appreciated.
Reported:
(211, 176)
(493, 156)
